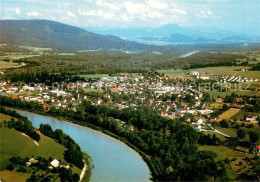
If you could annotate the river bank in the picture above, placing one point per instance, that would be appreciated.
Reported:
(98, 130)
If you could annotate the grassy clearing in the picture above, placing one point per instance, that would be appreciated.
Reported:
(4, 64)
(36, 49)
(16, 56)
(216, 105)
(221, 137)
(222, 70)
(19, 145)
(93, 76)
(228, 131)
(13, 176)
(4, 117)
(249, 74)
(240, 115)
(215, 94)
(229, 113)
(224, 152)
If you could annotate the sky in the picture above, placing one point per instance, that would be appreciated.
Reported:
(225, 14)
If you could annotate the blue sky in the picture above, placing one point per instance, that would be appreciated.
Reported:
(226, 14)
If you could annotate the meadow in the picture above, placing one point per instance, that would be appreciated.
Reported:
(232, 168)
(229, 113)
(20, 145)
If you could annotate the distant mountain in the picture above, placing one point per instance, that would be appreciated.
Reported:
(44, 33)
(173, 33)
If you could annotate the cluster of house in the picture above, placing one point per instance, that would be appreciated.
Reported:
(199, 75)
(123, 91)
(234, 79)
(53, 164)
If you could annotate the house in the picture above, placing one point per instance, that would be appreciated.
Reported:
(204, 77)
(258, 148)
(218, 120)
(219, 100)
(250, 117)
(242, 149)
(55, 163)
(33, 161)
(125, 74)
(194, 73)
(23, 64)
(131, 128)
(38, 132)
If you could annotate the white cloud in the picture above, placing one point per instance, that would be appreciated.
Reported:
(135, 8)
(17, 11)
(156, 4)
(204, 14)
(126, 18)
(70, 14)
(111, 6)
(178, 11)
(34, 14)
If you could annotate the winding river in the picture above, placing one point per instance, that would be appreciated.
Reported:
(113, 160)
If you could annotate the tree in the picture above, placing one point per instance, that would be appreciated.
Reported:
(241, 133)
(253, 137)
(224, 123)
(225, 107)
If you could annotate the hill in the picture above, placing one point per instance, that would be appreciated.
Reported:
(173, 33)
(45, 33)
(20, 145)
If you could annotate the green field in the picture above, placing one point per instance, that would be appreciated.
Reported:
(36, 49)
(221, 137)
(229, 113)
(249, 74)
(222, 70)
(13, 143)
(4, 117)
(4, 64)
(25, 147)
(224, 152)
(93, 76)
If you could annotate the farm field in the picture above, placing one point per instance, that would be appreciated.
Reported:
(229, 113)
(16, 56)
(249, 74)
(224, 152)
(36, 49)
(221, 137)
(93, 76)
(222, 70)
(4, 64)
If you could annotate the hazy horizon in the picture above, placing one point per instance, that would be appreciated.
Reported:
(235, 15)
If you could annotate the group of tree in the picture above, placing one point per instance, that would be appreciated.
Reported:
(73, 154)
(22, 124)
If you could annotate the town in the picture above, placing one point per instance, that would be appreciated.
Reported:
(171, 97)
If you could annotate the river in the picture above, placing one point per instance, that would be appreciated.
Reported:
(113, 160)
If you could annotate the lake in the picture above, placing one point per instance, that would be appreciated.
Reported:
(113, 160)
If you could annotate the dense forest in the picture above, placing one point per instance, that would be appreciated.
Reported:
(105, 62)
(168, 147)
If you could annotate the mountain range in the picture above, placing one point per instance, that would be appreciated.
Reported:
(45, 33)
(173, 33)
